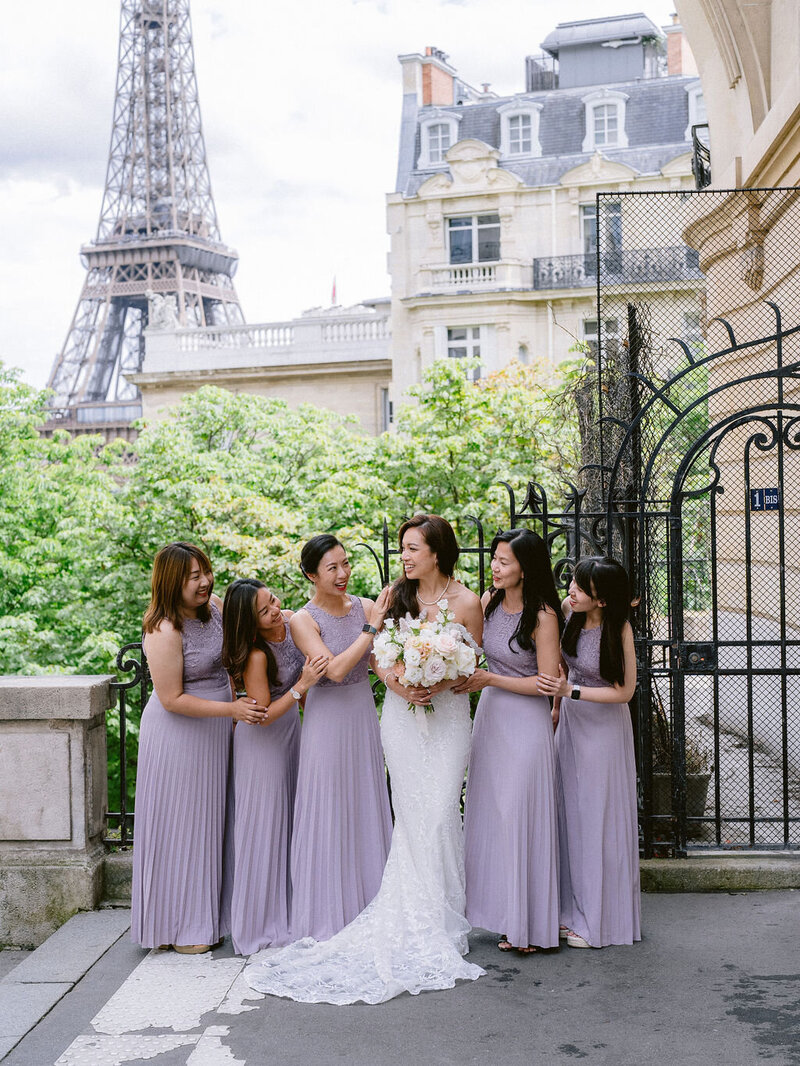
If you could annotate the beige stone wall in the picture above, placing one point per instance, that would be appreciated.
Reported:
(53, 801)
(342, 389)
(748, 57)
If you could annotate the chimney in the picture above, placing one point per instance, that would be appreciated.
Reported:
(679, 55)
(438, 79)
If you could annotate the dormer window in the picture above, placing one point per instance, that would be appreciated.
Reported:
(605, 120)
(438, 131)
(519, 129)
(438, 142)
(697, 108)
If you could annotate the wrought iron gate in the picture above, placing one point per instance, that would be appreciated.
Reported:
(700, 475)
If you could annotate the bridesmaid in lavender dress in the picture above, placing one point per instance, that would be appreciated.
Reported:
(510, 811)
(342, 821)
(260, 655)
(184, 751)
(595, 766)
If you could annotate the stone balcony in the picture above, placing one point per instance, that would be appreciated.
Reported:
(449, 278)
(306, 341)
(628, 266)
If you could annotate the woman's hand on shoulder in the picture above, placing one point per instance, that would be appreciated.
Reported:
(214, 598)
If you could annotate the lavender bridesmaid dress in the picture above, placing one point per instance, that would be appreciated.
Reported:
(342, 821)
(180, 804)
(510, 811)
(264, 780)
(596, 793)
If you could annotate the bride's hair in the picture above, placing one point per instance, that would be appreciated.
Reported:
(439, 536)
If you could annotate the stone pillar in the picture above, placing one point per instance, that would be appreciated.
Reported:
(53, 801)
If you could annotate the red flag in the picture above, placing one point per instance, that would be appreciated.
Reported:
(333, 292)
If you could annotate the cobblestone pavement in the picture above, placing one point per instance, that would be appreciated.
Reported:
(715, 981)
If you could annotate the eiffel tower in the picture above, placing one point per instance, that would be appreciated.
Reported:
(158, 231)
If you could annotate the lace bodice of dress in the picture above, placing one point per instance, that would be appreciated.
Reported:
(290, 662)
(584, 666)
(338, 633)
(511, 661)
(202, 652)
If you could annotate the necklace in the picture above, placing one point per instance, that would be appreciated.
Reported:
(430, 603)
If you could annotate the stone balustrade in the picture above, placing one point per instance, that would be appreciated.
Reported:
(53, 801)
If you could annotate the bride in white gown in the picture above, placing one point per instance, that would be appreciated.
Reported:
(413, 935)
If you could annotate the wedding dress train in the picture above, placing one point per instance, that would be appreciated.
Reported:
(413, 934)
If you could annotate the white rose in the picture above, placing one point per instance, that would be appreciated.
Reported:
(445, 644)
(466, 660)
(412, 656)
(412, 676)
(434, 670)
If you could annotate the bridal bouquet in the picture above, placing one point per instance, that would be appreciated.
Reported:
(421, 651)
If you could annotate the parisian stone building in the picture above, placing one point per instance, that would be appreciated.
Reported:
(493, 221)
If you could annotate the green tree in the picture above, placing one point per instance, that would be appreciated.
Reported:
(59, 606)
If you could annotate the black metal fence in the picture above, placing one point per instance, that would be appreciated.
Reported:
(699, 450)
(131, 696)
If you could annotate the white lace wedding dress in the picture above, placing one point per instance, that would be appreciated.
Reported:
(413, 934)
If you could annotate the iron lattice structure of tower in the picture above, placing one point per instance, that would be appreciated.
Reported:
(158, 230)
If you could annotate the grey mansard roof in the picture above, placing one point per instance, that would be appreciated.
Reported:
(588, 31)
(656, 117)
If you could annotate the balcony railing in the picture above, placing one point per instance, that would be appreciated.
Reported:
(701, 156)
(631, 265)
(474, 277)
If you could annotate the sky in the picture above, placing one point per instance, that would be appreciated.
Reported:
(301, 109)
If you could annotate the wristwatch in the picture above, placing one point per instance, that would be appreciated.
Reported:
(295, 694)
(575, 692)
(367, 628)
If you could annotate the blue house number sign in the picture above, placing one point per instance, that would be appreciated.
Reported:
(765, 500)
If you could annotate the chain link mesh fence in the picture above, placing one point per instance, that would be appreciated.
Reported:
(698, 455)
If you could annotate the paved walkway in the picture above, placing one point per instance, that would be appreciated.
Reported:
(715, 981)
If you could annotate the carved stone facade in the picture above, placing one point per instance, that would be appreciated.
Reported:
(748, 56)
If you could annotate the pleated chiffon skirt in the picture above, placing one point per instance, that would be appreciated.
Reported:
(265, 762)
(342, 821)
(180, 824)
(598, 825)
(510, 820)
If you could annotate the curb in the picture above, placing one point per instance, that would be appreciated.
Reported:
(722, 873)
